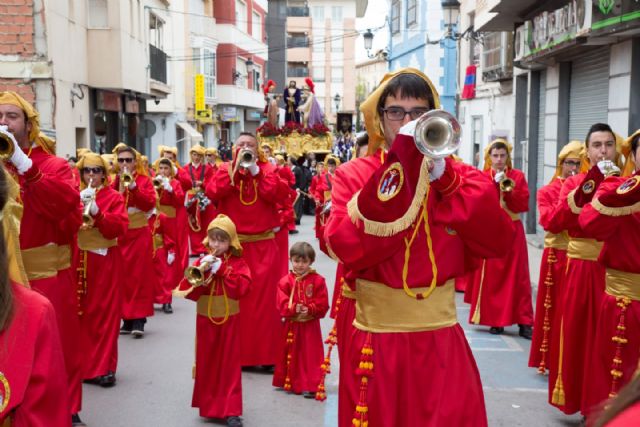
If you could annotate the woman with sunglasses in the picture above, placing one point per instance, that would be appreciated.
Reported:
(99, 262)
(136, 245)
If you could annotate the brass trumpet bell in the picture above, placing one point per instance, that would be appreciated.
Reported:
(247, 158)
(6, 147)
(126, 179)
(507, 185)
(195, 275)
(157, 183)
(437, 134)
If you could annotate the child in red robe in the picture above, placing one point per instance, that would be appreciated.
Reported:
(226, 277)
(302, 301)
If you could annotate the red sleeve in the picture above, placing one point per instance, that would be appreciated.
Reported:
(175, 198)
(319, 305)
(270, 187)
(236, 276)
(314, 184)
(143, 196)
(220, 185)
(112, 220)
(282, 297)
(49, 189)
(517, 200)
(184, 178)
(600, 221)
(547, 200)
(562, 217)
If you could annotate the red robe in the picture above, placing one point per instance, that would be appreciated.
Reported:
(101, 303)
(255, 214)
(33, 365)
(203, 172)
(171, 204)
(287, 218)
(618, 314)
(576, 319)
(166, 278)
(413, 370)
(322, 187)
(217, 390)
(137, 250)
(500, 291)
(298, 368)
(627, 418)
(51, 205)
(552, 269)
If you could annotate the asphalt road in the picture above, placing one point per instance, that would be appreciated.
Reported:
(154, 382)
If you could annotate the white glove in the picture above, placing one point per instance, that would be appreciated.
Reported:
(87, 194)
(20, 160)
(171, 256)
(167, 186)
(438, 169)
(216, 266)
(499, 177)
(254, 169)
(93, 210)
(208, 259)
(607, 167)
(276, 229)
(133, 185)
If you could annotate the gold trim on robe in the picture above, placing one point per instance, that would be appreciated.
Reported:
(91, 239)
(217, 306)
(249, 238)
(586, 249)
(622, 284)
(137, 220)
(556, 241)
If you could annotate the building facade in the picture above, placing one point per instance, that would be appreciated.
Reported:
(369, 73)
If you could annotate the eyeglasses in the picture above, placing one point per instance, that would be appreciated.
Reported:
(92, 170)
(398, 113)
(125, 160)
(572, 163)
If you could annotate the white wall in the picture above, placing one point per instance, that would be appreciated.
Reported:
(619, 84)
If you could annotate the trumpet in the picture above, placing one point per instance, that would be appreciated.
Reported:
(157, 183)
(437, 134)
(247, 158)
(87, 219)
(126, 178)
(507, 185)
(6, 147)
(195, 275)
(610, 169)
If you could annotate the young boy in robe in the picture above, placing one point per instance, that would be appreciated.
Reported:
(226, 277)
(302, 301)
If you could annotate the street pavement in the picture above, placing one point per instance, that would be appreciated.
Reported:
(154, 382)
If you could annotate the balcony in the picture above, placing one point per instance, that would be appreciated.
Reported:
(297, 72)
(297, 41)
(298, 11)
(158, 63)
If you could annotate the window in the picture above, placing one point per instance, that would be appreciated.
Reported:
(318, 73)
(318, 44)
(256, 24)
(412, 12)
(257, 77)
(336, 13)
(395, 16)
(317, 13)
(205, 63)
(337, 43)
(156, 35)
(98, 14)
(241, 15)
(297, 69)
(477, 139)
(336, 74)
(241, 70)
(297, 40)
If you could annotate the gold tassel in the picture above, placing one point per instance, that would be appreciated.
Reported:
(365, 370)
(331, 341)
(620, 340)
(558, 397)
(546, 323)
(289, 344)
(475, 319)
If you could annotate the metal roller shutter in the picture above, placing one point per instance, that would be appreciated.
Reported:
(589, 92)
(540, 152)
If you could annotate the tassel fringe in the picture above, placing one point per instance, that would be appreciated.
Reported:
(546, 323)
(331, 341)
(620, 340)
(365, 371)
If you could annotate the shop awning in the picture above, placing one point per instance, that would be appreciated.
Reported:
(191, 132)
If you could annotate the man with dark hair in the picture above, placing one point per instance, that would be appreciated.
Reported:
(500, 291)
(585, 277)
(402, 224)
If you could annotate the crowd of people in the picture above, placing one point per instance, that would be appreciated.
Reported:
(88, 252)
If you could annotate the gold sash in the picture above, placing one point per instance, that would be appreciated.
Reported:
(249, 238)
(137, 220)
(158, 241)
(586, 249)
(217, 306)
(91, 239)
(43, 262)
(380, 308)
(514, 216)
(301, 318)
(556, 241)
(347, 292)
(621, 284)
(169, 211)
(64, 257)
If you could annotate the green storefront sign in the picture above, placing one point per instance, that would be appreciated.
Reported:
(612, 16)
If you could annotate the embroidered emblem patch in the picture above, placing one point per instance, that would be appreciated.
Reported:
(628, 185)
(5, 392)
(308, 291)
(391, 182)
(588, 187)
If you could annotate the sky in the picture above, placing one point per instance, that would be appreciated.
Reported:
(375, 16)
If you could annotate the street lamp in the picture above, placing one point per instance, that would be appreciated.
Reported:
(368, 42)
(337, 99)
(250, 65)
(450, 14)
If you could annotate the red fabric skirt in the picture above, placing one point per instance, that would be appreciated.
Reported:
(282, 239)
(138, 283)
(600, 361)
(504, 287)
(307, 354)
(217, 390)
(574, 331)
(348, 384)
(414, 375)
(61, 292)
(554, 289)
(337, 290)
(182, 239)
(101, 320)
(168, 276)
(260, 324)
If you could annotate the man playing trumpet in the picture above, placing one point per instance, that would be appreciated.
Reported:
(100, 271)
(500, 291)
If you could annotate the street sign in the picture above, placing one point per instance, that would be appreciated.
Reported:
(199, 92)
(204, 116)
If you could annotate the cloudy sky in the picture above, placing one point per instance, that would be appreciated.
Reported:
(377, 11)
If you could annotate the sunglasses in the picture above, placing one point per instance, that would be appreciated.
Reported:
(92, 170)
(572, 163)
(125, 160)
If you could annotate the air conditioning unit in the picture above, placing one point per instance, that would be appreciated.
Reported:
(583, 17)
(519, 43)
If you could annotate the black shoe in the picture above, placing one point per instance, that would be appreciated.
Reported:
(76, 421)
(526, 331)
(267, 368)
(137, 330)
(108, 380)
(308, 395)
(294, 231)
(127, 325)
(234, 421)
(496, 330)
(167, 308)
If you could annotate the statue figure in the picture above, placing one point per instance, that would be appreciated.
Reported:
(291, 101)
(271, 99)
(311, 112)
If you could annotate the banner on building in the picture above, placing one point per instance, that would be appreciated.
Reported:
(469, 89)
(199, 92)
(229, 114)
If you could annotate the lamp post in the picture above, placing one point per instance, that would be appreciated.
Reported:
(450, 12)
(368, 42)
(337, 100)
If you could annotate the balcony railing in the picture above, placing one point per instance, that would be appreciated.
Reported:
(158, 62)
(297, 72)
(298, 41)
(298, 11)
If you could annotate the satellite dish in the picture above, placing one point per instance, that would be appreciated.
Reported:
(147, 128)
